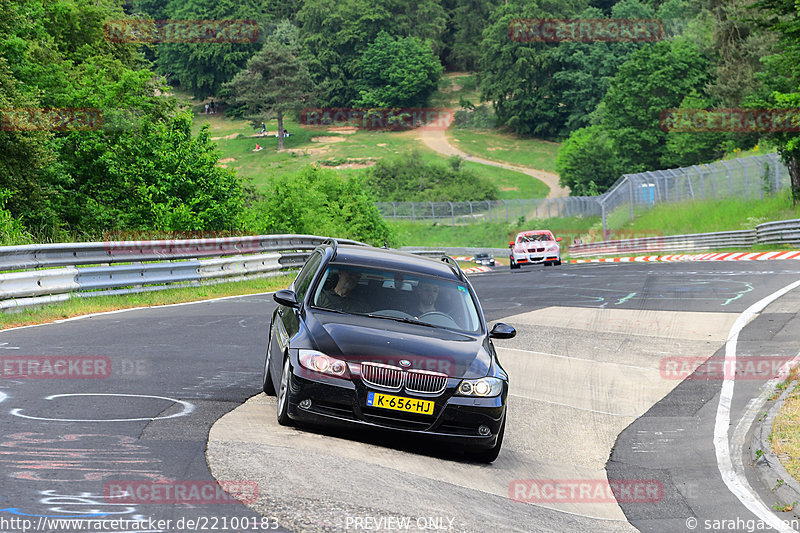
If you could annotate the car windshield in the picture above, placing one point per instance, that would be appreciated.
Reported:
(397, 295)
(535, 238)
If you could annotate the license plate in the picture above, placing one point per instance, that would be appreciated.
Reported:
(398, 403)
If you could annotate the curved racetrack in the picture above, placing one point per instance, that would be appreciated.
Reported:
(591, 400)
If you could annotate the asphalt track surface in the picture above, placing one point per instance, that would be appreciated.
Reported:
(592, 400)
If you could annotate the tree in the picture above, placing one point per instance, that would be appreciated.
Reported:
(160, 178)
(320, 202)
(202, 68)
(684, 149)
(396, 72)
(586, 162)
(782, 80)
(275, 81)
(335, 34)
(655, 78)
(410, 178)
(466, 21)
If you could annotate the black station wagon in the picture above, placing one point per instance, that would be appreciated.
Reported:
(375, 337)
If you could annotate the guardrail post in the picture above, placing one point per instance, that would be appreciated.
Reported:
(394, 209)
(630, 191)
(471, 213)
(489, 203)
(433, 212)
(413, 214)
(452, 213)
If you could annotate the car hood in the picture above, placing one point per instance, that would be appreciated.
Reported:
(361, 339)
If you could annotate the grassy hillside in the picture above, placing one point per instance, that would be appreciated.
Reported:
(346, 150)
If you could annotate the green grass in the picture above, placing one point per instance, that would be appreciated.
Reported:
(454, 86)
(506, 148)
(258, 168)
(98, 304)
(489, 234)
(707, 216)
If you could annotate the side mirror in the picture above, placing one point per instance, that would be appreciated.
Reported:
(511, 245)
(287, 298)
(558, 239)
(502, 331)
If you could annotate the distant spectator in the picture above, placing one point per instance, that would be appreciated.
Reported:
(206, 109)
(263, 129)
(213, 107)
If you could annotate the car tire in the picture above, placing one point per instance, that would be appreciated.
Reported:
(283, 395)
(488, 455)
(268, 386)
(513, 264)
(557, 262)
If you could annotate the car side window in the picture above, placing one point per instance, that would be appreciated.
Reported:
(306, 275)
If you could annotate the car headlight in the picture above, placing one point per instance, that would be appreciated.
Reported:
(484, 387)
(319, 362)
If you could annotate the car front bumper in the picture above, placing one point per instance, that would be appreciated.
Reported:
(455, 418)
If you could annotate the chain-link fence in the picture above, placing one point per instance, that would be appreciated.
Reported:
(489, 210)
(747, 178)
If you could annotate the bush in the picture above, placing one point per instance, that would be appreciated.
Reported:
(477, 118)
(319, 202)
(410, 179)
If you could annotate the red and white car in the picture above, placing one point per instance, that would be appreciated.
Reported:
(535, 247)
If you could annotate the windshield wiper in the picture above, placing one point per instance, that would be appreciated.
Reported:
(402, 319)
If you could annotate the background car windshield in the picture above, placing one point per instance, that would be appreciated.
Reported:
(538, 237)
(398, 295)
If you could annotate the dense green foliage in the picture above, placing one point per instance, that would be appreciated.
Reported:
(657, 77)
(396, 72)
(782, 80)
(275, 81)
(201, 68)
(336, 34)
(137, 166)
(319, 202)
(586, 162)
(410, 178)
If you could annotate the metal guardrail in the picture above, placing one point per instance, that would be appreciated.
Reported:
(92, 253)
(781, 232)
(56, 272)
(672, 243)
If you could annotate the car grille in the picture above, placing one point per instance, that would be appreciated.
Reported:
(382, 375)
(392, 377)
(425, 381)
(535, 250)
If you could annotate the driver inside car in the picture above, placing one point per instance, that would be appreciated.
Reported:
(427, 294)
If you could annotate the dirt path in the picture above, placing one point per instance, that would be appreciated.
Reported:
(436, 140)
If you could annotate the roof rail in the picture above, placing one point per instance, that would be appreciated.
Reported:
(453, 266)
(335, 244)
